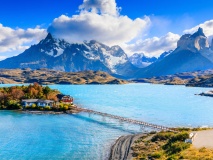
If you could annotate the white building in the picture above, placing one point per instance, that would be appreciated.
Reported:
(38, 102)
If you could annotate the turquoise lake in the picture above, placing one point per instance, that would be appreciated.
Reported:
(86, 136)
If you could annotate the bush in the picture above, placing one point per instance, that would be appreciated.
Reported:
(47, 108)
(173, 157)
(162, 136)
(176, 147)
(66, 107)
(179, 137)
(27, 107)
(33, 106)
(156, 155)
(12, 104)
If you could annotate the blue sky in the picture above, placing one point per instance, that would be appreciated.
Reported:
(25, 13)
(147, 22)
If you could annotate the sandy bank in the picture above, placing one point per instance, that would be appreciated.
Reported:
(121, 150)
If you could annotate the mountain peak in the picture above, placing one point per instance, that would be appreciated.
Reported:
(198, 33)
(49, 36)
(49, 39)
(195, 42)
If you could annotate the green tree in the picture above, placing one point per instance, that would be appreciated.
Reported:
(46, 90)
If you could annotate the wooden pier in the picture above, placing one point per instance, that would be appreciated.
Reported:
(128, 120)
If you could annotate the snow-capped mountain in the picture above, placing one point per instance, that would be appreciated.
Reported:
(164, 54)
(53, 47)
(141, 61)
(58, 54)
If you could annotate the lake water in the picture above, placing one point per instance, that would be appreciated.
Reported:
(84, 136)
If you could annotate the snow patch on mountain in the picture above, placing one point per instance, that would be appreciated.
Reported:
(55, 52)
(112, 61)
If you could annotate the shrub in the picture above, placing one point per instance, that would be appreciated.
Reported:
(47, 108)
(162, 136)
(176, 147)
(33, 106)
(27, 107)
(12, 104)
(66, 107)
(156, 155)
(179, 137)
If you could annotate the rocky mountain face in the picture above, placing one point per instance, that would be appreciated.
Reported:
(192, 53)
(195, 42)
(60, 55)
(212, 45)
(141, 61)
(164, 54)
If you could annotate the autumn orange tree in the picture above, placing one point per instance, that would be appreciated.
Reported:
(10, 97)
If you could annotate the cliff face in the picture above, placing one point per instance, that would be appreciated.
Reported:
(196, 42)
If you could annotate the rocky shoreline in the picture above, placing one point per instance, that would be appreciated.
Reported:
(208, 93)
(121, 150)
(42, 112)
(74, 110)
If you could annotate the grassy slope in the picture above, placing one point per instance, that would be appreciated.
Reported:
(170, 146)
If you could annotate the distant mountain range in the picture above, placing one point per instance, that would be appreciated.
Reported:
(193, 79)
(193, 53)
(141, 61)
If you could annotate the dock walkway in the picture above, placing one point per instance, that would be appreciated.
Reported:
(128, 120)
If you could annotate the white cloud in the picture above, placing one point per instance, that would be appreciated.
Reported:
(207, 28)
(3, 57)
(100, 6)
(99, 20)
(18, 39)
(156, 45)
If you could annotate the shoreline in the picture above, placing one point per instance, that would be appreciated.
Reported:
(74, 110)
(121, 149)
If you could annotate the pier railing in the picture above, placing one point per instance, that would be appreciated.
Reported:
(128, 120)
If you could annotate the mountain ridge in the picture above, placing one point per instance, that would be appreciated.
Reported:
(60, 55)
(192, 53)
(140, 60)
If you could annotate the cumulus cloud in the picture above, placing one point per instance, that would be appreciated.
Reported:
(3, 57)
(99, 20)
(18, 39)
(100, 6)
(156, 45)
(207, 28)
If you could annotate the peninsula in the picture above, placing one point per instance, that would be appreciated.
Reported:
(35, 97)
